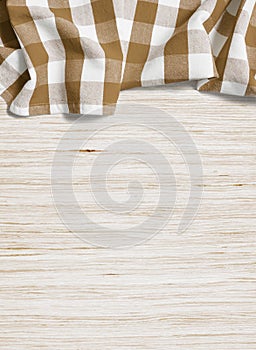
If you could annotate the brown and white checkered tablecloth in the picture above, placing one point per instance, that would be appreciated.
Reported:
(75, 56)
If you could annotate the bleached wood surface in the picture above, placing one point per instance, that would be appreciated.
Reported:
(195, 292)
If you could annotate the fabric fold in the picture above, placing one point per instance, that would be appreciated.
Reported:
(75, 56)
(234, 47)
(13, 69)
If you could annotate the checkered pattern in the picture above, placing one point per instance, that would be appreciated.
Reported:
(74, 56)
(233, 40)
(13, 69)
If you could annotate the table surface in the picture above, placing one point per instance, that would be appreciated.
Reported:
(192, 291)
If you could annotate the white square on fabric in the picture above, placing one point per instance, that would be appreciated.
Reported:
(153, 70)
(16, 61)
(56, 72)
(88, 32)
(78, 3)
(41, 3)
(200, 66)
(124, 28)
(233, 88)
(170, 3)
(238, 47)
(93, 70)
(196, 20)
(60, 108)
(47, 29)
(160, 35)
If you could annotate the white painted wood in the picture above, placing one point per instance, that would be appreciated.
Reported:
(195, 292)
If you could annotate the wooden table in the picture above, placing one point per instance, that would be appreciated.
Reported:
(192, 291)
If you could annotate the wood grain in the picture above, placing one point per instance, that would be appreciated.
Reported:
(195, 291)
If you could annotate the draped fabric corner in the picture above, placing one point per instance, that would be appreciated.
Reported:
(75, 56)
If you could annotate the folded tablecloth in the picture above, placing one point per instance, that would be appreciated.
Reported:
(75, 56)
